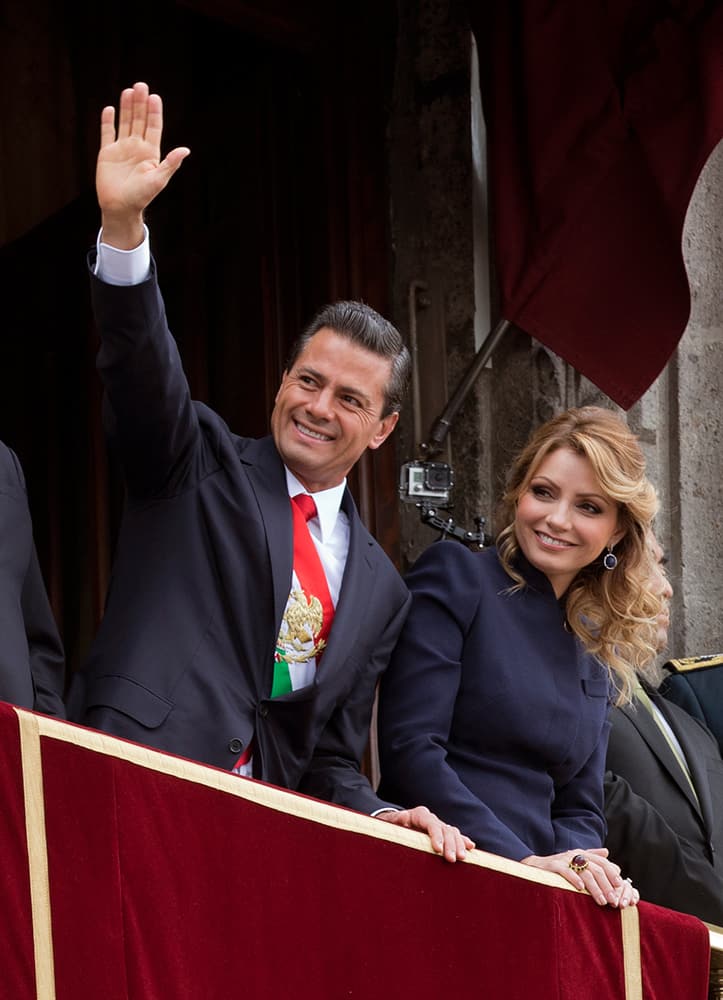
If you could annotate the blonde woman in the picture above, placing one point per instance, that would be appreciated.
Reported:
(494, 709)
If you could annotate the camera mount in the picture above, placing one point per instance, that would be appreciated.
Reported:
(428, 484)
(474, 539)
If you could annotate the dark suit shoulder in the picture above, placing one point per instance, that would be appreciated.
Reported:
(11, 473)
(363, 542)
(255, 450)
(450, 555)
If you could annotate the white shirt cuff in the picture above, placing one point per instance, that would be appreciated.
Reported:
(123, 267)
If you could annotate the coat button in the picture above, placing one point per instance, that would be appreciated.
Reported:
(263, 711)
(236, 746)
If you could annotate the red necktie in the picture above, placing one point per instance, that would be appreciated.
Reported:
(307, 564)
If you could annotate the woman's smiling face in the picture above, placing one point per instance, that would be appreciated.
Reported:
(564, 520)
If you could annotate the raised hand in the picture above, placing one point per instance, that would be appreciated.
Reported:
(129, 171)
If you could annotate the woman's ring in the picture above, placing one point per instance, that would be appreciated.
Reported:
(579, 863)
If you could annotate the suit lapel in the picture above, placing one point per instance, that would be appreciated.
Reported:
(696, 766)
(650, 732)
(268, 481)
(358, 579)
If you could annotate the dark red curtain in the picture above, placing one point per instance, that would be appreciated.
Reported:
(600, 117)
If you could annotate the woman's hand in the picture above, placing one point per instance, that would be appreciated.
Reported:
(590, 869)
(445, 839)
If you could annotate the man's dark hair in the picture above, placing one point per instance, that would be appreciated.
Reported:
(361, 324)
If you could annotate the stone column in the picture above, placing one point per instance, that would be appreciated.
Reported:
(433, 241)
(690, 409)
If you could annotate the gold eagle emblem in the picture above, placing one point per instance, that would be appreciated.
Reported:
(298, 636)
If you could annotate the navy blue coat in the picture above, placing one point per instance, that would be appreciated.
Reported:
(491, 713)
(184, 655)
(32, 665)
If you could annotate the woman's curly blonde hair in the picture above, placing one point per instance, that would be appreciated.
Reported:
(614, 614)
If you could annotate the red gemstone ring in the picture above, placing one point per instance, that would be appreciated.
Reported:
(579, 863)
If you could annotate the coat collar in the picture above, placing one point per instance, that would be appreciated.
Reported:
(533, 577)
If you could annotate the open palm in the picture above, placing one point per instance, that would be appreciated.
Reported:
(129, 171)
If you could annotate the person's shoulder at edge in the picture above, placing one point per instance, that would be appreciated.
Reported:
(12, 476)
(454, 568)
(691, 664)
(448, 551)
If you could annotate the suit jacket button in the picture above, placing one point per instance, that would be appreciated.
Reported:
(236, 746)
(263, 711)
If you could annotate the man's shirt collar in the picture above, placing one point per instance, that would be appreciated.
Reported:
(327, 502)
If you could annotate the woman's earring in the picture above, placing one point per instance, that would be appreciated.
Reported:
(610, 560)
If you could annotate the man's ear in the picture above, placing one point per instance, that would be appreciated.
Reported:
(281, 384)
(386, 426)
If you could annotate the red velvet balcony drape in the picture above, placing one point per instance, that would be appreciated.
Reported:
(170, 879)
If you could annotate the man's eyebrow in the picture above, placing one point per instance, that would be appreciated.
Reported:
(350, 390)
(308, 370)
(346, 390)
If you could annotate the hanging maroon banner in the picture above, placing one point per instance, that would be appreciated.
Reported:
(600, 117)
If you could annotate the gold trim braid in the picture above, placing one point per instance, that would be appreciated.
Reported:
(276, 798)
(691, 663)
(630, 928)
(37, 854)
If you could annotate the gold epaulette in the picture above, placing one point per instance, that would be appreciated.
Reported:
(688, 663)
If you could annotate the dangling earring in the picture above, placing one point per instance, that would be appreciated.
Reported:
(610, 560)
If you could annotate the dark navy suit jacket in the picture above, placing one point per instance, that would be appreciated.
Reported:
(184, 654)
(490, 712)
(696, 685)
(666, 840)
(32, 666)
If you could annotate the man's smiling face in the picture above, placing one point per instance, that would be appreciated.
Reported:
(328, 409)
